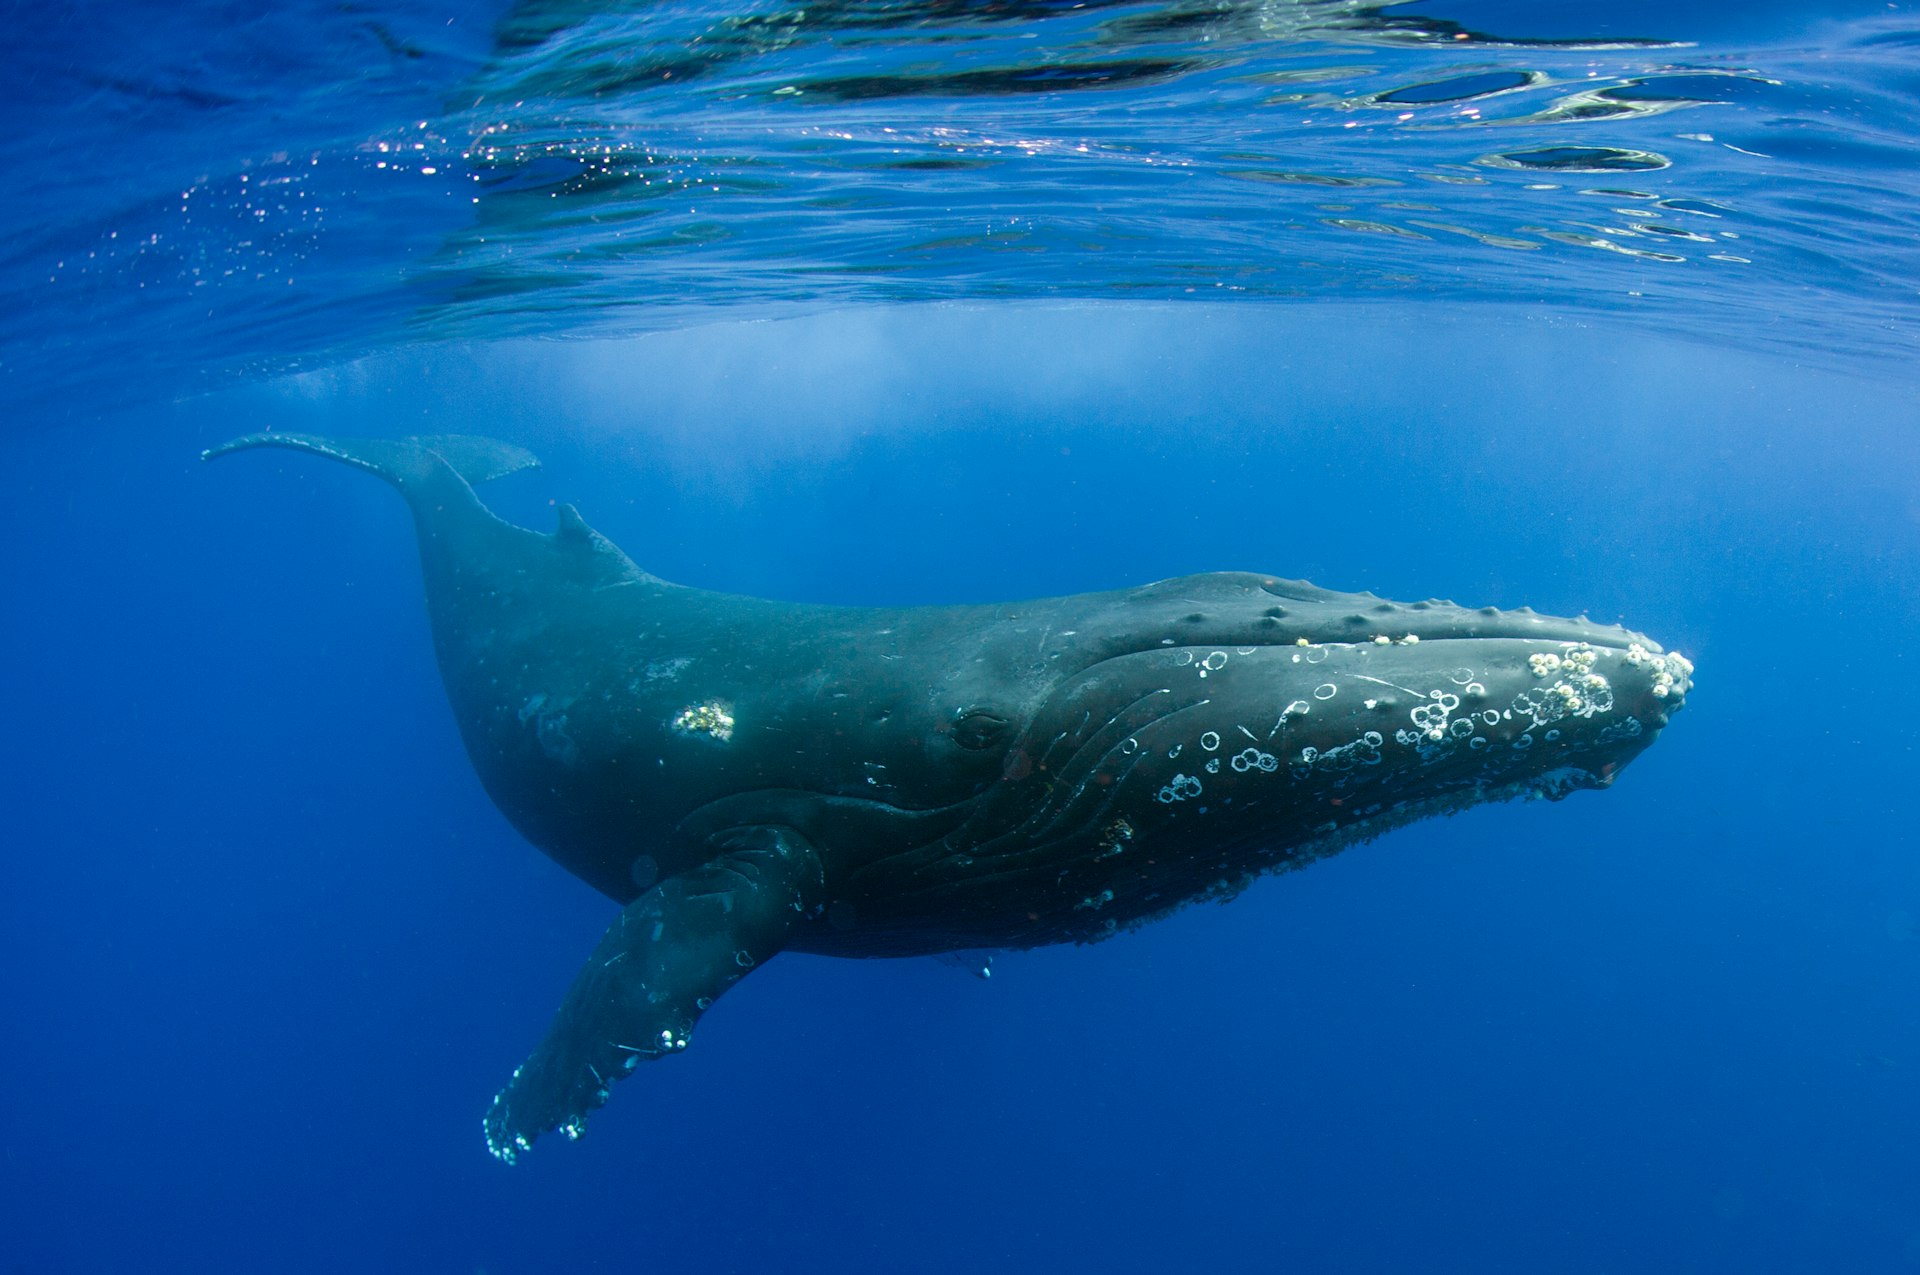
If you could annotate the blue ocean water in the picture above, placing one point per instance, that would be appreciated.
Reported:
(1595, 309)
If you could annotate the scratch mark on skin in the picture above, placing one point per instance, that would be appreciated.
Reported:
(1249, 734)
(1362, 677)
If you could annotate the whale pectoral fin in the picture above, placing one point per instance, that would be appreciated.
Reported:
(672, 952)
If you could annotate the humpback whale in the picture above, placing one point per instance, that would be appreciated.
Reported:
(745, 777)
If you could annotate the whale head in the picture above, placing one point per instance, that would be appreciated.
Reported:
(1213, 728)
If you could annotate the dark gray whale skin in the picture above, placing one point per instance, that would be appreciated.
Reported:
(746, 777)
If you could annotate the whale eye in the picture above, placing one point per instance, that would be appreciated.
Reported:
(978, 728)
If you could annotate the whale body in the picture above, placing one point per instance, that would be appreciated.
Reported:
(746, 777)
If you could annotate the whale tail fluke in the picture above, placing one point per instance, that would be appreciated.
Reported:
(401, 461)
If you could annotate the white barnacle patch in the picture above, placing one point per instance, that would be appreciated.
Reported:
(711, 719)
(1581, 695)
(1575, 659)
(1214, 662)
(1179, 788)
(1210, 740)
(1666, 669)
(1326, 690)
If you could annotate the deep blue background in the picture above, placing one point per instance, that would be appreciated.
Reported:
(266, 951)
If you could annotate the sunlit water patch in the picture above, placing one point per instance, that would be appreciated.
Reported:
(595, 167)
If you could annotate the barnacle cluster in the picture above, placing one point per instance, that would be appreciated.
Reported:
(1667, 669)
(1580, 692)
(710, 719)
(1576, 661)
(1114, 838)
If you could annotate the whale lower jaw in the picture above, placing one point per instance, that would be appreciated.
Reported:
(1331, 839)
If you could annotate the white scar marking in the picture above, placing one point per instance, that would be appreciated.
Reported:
(1383, 682)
